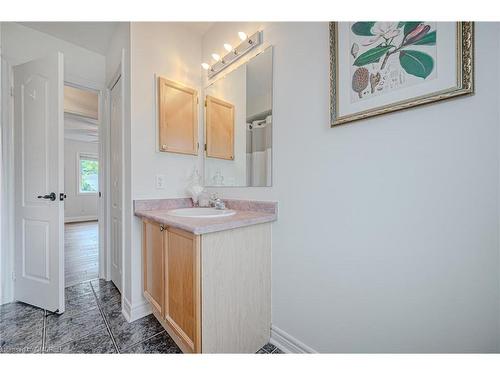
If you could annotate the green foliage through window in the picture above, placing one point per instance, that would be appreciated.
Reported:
(89, 172)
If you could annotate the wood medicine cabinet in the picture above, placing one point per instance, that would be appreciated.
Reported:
(178, 117)
(219, 129)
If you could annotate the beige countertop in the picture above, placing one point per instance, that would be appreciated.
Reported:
(247, 213)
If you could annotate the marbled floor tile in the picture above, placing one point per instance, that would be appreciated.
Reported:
(61, 329)
(162, 343)
(79, 303)
(110, 299)
(21, 345)
(96, 342)
(127, 334)
(27, 339)
(77, 290)
(21, 328)
(269, 349)
(104, 289)
(18, 311)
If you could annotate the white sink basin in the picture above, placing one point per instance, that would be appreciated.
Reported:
(201, 212)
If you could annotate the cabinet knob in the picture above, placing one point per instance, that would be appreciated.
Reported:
(162, 228)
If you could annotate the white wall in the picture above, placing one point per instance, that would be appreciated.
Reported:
(387, 236)
(77, 206)
(19, 45)
(119, 40)
(174, 52)
(260, 78)
(22, 44)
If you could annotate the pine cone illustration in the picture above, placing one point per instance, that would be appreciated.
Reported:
(360, 80)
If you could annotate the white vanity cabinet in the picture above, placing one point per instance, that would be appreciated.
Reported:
(211, 292)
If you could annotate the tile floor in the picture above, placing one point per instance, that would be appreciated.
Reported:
(92, 323)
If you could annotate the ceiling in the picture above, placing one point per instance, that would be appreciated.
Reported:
(199, 28)
(94, 36)
(80, 129)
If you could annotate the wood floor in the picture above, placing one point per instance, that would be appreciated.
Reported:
(81, 260)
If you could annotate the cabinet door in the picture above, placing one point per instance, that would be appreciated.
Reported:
(182, 291)
(153, 263)
(219, 129)
(178, 117)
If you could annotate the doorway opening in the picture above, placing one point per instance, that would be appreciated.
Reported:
(81, 184)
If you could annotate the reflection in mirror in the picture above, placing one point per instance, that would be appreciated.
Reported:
(238, 125)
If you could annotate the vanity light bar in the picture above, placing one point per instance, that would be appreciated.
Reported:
(244, 47)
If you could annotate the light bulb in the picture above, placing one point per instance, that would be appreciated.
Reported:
(228, 47)
(215, 56)
(242, 35)
(205, 66)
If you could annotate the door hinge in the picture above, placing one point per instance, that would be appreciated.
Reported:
(205, 103)
(205, 147)
(13, 276)
(100, 194)
(11, 90)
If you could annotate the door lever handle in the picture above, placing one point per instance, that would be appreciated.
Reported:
(51, 196)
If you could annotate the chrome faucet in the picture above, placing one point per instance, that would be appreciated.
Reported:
(217, 202)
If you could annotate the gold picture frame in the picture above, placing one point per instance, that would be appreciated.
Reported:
(465, 78)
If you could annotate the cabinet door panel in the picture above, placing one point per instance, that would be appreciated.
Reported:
(178, 117)
(182, 292)
(219, 130)
(153, 258)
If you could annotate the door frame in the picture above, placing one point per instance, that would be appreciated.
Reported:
(117, 76)
(7, 178)
(7, 190)
(103, 157)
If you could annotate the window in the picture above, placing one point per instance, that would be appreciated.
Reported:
(88, 172)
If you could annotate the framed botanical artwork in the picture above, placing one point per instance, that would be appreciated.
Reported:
(382, 67)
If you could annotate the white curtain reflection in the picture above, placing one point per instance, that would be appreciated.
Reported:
(259, 143)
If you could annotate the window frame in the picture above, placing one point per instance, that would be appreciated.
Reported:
(85, 156)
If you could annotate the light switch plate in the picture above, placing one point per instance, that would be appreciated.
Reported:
(160, 181)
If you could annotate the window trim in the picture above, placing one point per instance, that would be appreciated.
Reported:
(79, 157)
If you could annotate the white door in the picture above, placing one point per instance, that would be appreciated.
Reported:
(39, 179)
(116, 146)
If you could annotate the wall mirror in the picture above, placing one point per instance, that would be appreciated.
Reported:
(238, 125)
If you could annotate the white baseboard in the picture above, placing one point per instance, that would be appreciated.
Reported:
(287, 343)
(76, 219)
(138, 311)
(6, 299)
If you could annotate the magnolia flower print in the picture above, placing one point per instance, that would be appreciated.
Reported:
(383, 30)
(386, 39)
